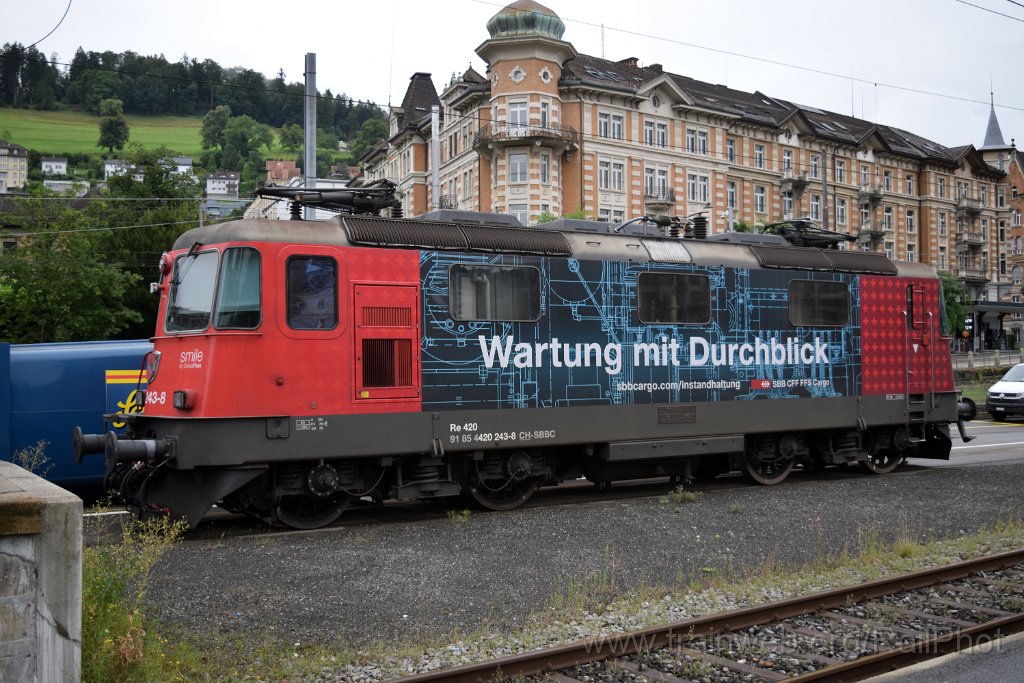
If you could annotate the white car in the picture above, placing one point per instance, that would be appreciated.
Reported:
(1006, 397)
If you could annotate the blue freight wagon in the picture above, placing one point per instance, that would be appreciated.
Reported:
(48, 389)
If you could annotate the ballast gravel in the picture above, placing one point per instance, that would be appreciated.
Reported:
(361, 585)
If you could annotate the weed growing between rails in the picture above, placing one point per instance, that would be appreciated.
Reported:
(119, 643)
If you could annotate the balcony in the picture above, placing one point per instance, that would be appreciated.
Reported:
(869, 228)
(792, 181)
(447, 201)
(974, 275)
(659, 199)
(500, 135)
(869, 195)
(970, 239)
(968, 206)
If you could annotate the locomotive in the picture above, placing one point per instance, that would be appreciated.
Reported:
(299, 366)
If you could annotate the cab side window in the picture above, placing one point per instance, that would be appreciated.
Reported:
(312, 292)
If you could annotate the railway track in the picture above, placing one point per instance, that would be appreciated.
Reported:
(844, 634)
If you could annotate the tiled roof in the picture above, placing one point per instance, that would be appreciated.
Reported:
(420, 96)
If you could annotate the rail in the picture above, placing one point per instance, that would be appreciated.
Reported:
(675, 635)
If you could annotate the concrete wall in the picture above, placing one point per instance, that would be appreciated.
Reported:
(40, 579)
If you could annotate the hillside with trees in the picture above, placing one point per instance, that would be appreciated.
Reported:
(81, 267)
(151, 86)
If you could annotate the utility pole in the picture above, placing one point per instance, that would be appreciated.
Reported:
(309, 136)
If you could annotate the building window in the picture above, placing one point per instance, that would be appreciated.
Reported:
(520, 212)
(840, 171)
(618, 173)
(841, 211)
(815, 207)
(758, 156)
(517, 118)
(1001, 197)
(983, 194)
(911, 221)
(649, 132)
(787, 205)
(517, 167)
(984, 229)
(887, 218)
(942, 258)
(604, 124)
(865, 216)
(730, 194)
(909, 184)
(887, 181)
(1015, 220)
(759, 199)
(480, 292)
(942, 188)
(1002, 264)
(865, 174)
(702, 142)
(942, 224)
(545, 168)
(545, 114)
(661, 130)
(730, 153)
(604, 174)
(673, 298)
(815, 165)
(697, 187)
(911, 252)
(617, 126)
(889, 253)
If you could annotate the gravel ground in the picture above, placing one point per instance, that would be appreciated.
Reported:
(353, 586)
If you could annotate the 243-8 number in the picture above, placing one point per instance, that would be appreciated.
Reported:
(156, 397)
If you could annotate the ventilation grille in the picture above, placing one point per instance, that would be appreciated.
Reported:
(387, 316)
(387, 363)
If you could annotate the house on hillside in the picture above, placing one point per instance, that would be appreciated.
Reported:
(112, 167)
(13, 166)
(281, 172)
(223, 185)
(54, 165)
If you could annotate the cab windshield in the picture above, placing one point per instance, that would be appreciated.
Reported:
(199, 291)
(190, 296)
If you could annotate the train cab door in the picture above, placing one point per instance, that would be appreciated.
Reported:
(919, 342)
(387, 335)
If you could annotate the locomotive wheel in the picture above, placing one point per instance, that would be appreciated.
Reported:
(767, 468)
(501, 483)
(310, 512)
(882, 463)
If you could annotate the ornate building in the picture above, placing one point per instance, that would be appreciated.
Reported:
(549, 132)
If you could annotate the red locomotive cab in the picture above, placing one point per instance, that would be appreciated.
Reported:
(211, 309)
(269, 328)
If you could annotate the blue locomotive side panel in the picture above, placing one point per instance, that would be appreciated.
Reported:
(589, 347)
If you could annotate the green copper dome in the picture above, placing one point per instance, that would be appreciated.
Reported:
(525, 18)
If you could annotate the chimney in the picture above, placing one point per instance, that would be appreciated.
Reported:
(656, 68)
(631, 62)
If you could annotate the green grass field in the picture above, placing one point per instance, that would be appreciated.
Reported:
(54, 133)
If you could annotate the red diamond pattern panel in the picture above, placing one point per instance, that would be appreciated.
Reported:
(887, 350)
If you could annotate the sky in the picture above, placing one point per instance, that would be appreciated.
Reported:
(921, 65)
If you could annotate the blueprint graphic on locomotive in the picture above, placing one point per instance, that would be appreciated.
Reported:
(588, 345)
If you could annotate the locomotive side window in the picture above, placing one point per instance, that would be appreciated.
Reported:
(673, 298)
(494, 293)
(312, 292)
(190, 297)
(814, 303)
(238, 293)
